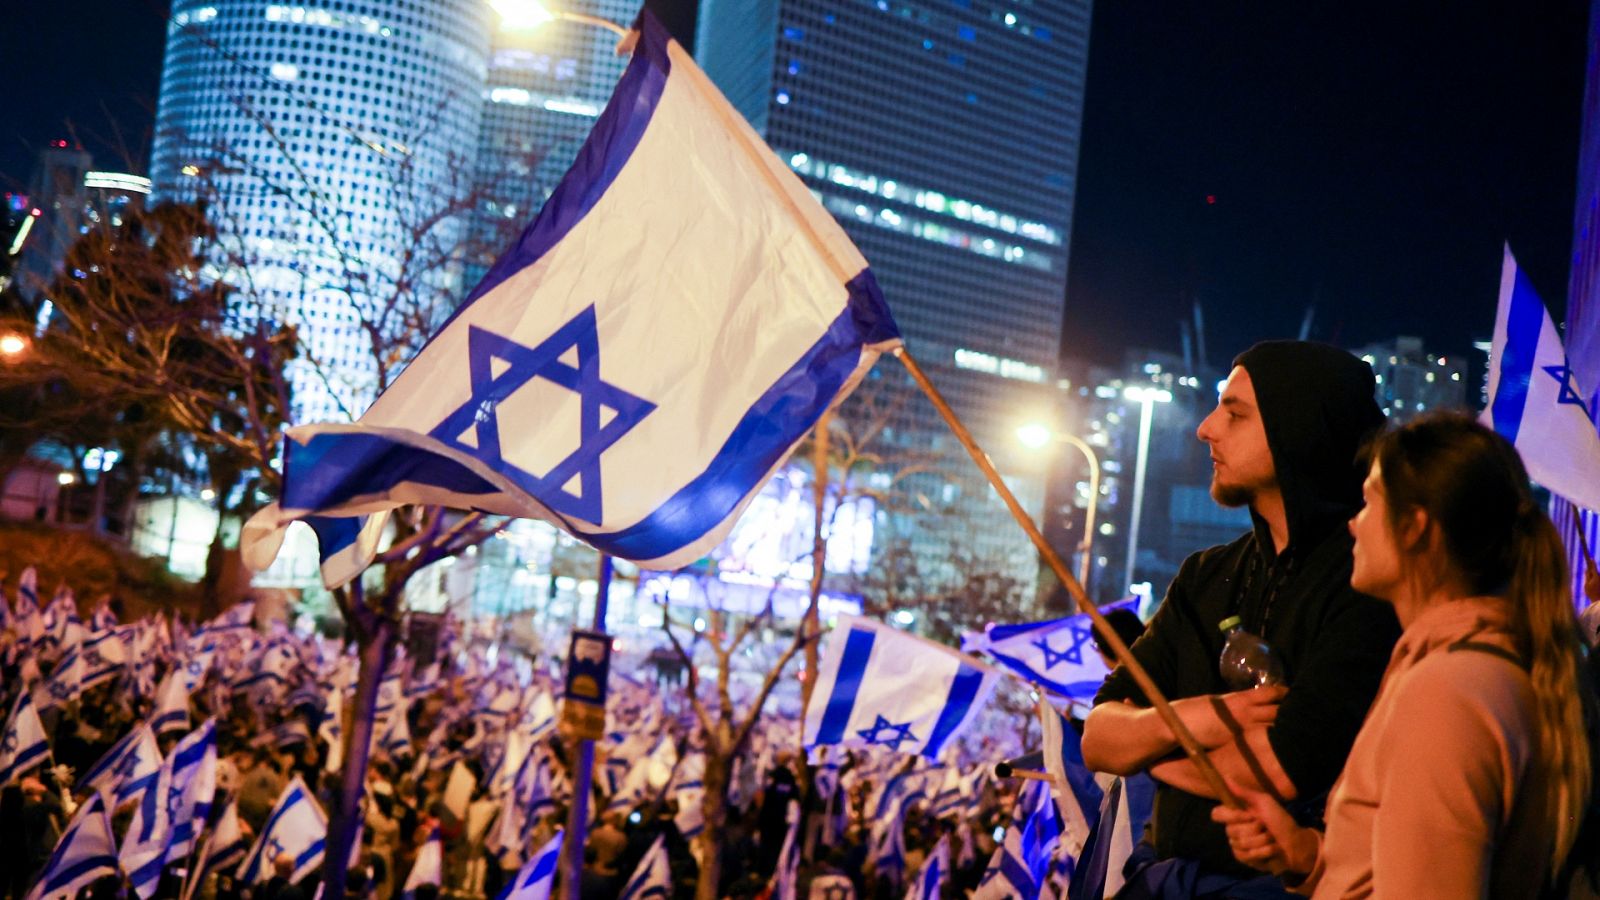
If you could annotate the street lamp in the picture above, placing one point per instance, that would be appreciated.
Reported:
(1037, 436)
(12, 345)
(1146, 397)
(526, 15)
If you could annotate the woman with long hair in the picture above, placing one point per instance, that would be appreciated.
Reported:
(1472, 772)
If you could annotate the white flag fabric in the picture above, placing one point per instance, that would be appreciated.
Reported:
(786, 879)
(144, 843)
(537, 876)
(139, 768)
(428, 867)
(653, 877)
(192, 787)
(635, 367)
(298, 827)
(86, 852)
(879, 686)
(225, 847)
(171, 713)
(1535, 401)
(23, 745)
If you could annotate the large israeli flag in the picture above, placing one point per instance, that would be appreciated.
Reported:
(1058, 654)
(676, 318)
(879, 686)
(1020, 864)
(1535, 401)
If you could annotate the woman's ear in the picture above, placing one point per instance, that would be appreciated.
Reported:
(1416, 534)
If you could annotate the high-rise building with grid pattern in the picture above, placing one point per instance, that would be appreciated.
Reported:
(545, 89)
(334, 141)
(943, 135)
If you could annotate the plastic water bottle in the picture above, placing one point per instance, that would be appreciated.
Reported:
(1247, 661)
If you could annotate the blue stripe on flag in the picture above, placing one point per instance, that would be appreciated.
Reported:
(77, 870)
(842, 700)
(963, 690)
(1523, 322)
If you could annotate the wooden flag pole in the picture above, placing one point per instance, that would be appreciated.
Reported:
(1119, 649)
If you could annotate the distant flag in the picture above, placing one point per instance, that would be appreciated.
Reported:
(537, 876)
(296, 826)
(86, 852)
(786, 878)
(139, 768)
(1020, 864)
(396, 737)
(6, 617)
(144, 843)
(28, 593)
(23, 745)
(878, 686)
(428, 869)
(929, 884)
(887, 843)
(653, 877)
(65, 682)
(192, 787)
(676, 228)
(1058, 654)
(1123, 813)
(1535, 401)
(223, 848)
(171, 713)
(104, 655)
(1077, 794)
(239, 617)
(104, 773)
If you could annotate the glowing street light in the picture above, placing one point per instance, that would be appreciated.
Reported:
(526, 15)
(1036, 436)
(1147, 398)
(13, 345)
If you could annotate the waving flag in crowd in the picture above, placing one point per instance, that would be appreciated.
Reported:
(635, 367)
(298, 827)
(653, 877)
(1020, 864)
(1058, 654)
(1535, 401)
(23, 744)
(86, 852)
(878, 686)
(537, 876)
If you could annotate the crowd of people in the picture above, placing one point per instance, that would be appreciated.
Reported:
(1428, 727)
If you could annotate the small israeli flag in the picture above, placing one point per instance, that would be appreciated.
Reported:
(1058, 654)
(881, 687)
(636, 366)
(428, 869)
(192, 787)
(786, 880)
(929, 884)
(104, 773)
(652, 877)
(537, 876)
(139, 768)
(1535, 401)
(86, 852)
(296, 826)
(225, 847)
(23, 745)
(171, 713)
(1077, 793)
(1020, 864)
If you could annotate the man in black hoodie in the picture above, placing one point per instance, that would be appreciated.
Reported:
(1284, 440)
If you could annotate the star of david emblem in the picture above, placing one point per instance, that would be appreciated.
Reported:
(1073, 654)
(8, 745)
(897, 734)
(274, 848)
(1563, 374)
(93, 658)
(59, 691)
(569, 358)
(128, 765)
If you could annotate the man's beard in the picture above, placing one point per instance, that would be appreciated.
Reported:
(1231, 495)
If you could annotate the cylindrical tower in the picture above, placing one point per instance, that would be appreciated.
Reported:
(334, 142)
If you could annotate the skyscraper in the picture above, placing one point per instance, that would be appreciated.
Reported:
(945, 138)
(545, 88)
(334, 141)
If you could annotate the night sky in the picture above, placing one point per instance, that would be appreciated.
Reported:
(1368, 158)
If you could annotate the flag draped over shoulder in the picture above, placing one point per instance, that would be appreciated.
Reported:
(635, 366)
(1535, 401)
(877, 685)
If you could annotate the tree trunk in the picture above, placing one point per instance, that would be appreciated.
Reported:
(376, 644)
(714, 808)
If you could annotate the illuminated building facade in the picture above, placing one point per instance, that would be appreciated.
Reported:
(334, 141)
(544, 90)
(1412, 381)
(944, 138)
(66, 198)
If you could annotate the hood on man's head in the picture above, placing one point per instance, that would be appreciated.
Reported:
(1318, 406)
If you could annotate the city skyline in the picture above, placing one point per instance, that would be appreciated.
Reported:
(1383, 207)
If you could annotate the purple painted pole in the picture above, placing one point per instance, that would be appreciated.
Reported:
(583, 766)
